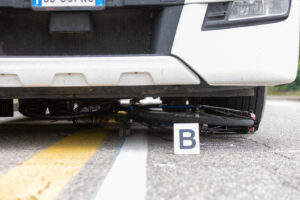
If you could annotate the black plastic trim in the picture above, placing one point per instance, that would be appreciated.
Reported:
(217, 17)
(124, 92)
(165, 29)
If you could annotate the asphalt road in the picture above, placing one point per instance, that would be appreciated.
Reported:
(53, 160)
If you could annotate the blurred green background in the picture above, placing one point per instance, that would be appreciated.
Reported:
(292, 89)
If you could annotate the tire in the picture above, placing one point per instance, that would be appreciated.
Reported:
(37, 107)
(58, 108)
(254, 104)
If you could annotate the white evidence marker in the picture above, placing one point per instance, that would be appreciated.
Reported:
(186, 138)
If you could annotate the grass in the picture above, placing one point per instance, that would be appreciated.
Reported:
(292, 89)
(282, 93)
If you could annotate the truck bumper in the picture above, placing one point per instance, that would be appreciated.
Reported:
(95, 71)
(249, 56)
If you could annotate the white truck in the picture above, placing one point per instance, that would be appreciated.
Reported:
(58, 57)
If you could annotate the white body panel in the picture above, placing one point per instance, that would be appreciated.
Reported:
(260, 55)
(94, 71)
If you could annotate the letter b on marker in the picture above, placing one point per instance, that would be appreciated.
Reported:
(186, 139)
(190, 138)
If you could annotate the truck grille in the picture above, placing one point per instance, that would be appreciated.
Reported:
(115, 32)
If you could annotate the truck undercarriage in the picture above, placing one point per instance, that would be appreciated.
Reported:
(221, 111)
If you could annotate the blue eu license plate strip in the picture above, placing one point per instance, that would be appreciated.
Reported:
(99, 2)
(37, 3)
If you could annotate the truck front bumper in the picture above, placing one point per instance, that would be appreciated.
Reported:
(243, 57)
(95, 71)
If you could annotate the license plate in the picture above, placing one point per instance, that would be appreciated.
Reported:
(65, 4)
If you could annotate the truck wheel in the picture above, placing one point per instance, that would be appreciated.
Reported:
(254, 104)
(32, 106)
(59, 108)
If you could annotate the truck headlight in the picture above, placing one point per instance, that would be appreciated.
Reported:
(250, 9)
(239, 13)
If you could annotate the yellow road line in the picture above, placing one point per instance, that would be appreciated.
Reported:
(44, 175)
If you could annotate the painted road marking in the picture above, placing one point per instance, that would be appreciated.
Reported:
(44, 175)
(127, 177)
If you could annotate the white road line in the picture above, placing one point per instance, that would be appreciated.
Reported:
(127, 177)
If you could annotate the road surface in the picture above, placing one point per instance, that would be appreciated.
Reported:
(53, 160)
